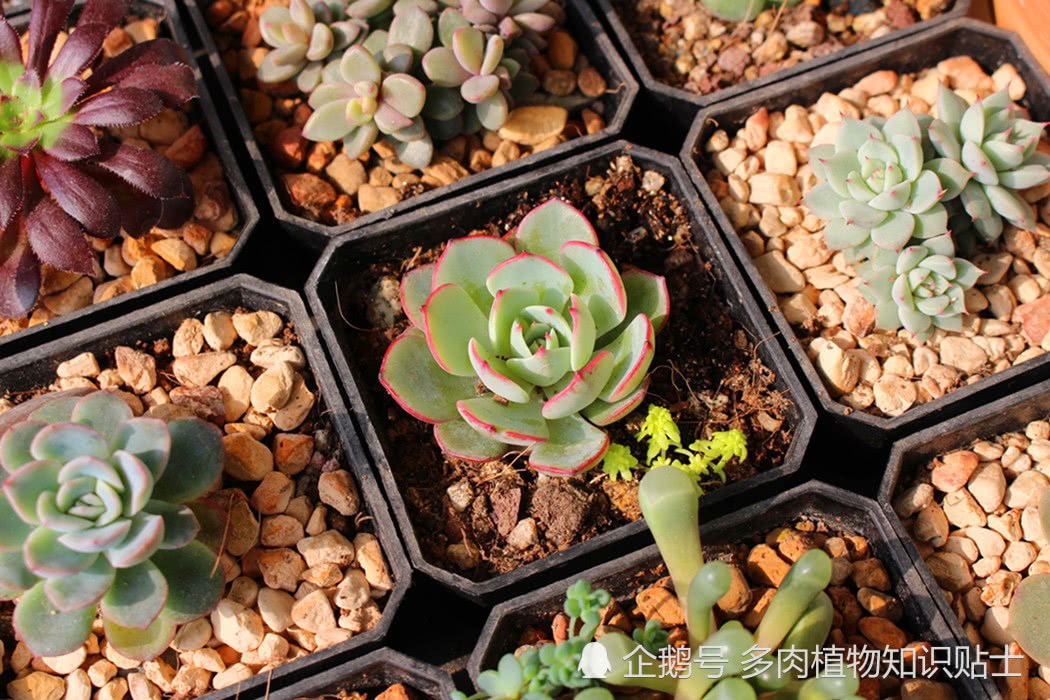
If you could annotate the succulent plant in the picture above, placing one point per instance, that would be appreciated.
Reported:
(519, 21)
(877, 189)
(304, 36)
(59, 176)
(534, 341)
(923, 290)
(799, 617)
(476, 66)
(991, 139)
(742, 10)
(96, 521)
(365, 102)
(1027, 613)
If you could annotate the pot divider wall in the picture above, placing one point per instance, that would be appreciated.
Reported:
(581, 23)
(350, 254)
(683, 105)
(990, 47)
(248, 216)
(839, 509)
(1010, 413)
(33, 369)
(373, 672)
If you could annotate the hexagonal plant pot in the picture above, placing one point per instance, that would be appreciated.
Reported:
(34, 370)
(815, 501)
(910, 455)
(581, 24)
(204, 113)
(990, 47)
(683, 105)
(335, 284)
(370, 674)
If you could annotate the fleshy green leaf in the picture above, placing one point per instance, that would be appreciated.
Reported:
(70, 593)
(633, 351)
(545, 229)
(63, 442)
(467, 262)
(45, 629)
(103, 412)
(574, 447)
(149, 440)
(459, 440)
(495, 375)
(194, 582)
(602, 413)
(581, 389)
(597, 282)
(180, 524)
(137, 596)
(14, 445)
(140, 644)
(452, 319)
(23, 487)
(145, 536)
(47, 557)
(195, 462)
(514, 423)
(418, 383)
(535, 272)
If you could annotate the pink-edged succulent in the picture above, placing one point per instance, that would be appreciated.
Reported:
(532, 342)
(95, 521)
(520, 21)
(60, 176)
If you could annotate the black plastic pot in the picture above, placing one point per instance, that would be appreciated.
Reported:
(684, 105)
(1008, 414)
(427, 227)
(372, 673)
(36, 368)
(593, 43)
(990, 47)
(205, 113)
(840, 510)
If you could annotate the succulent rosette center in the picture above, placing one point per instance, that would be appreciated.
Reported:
(533, 341)
(94, 511)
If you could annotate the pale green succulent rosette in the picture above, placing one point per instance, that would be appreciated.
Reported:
(924, 290)
(304, 36)
(96, 521)
(364, 102)
(992, 140)
(531, 342)
(878, 189)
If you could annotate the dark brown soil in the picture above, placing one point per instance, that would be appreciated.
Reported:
(706, 371)
(687, 47)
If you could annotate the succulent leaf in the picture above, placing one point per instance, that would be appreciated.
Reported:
(47, 630)
(95, 515)
(509, 323)
(140, 644)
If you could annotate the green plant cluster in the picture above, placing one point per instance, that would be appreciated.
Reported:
(702, 459)
(905, 196)
(799, 617)
(548, 671)
(533, 342)
(411, 72)
(96, 521)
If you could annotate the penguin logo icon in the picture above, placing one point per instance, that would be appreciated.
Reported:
(594, 661)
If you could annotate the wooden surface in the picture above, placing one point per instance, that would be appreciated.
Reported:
(1029, 18)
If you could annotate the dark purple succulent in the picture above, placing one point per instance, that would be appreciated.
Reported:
(61, 176)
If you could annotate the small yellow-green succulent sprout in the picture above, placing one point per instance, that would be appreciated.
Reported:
(619, 463)
(720, 449)
(532, 342)
(95, 521)
(304, 36)
(661, 431)
(991, 139)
